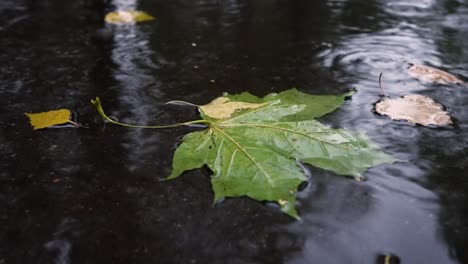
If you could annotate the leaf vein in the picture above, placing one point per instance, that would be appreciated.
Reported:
(238, 146)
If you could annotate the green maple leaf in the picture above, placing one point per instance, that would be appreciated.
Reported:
(253, 145)
(254, 152)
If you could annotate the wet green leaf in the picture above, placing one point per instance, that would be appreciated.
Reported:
(254, 152)
(312, 105)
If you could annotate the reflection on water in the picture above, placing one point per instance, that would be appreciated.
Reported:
(108, 204)
(419, 8)
(135, 65)
(59, 247)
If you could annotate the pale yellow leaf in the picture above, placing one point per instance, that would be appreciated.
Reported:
(48, 119)
(431, 74)
(127, 17)
(222, 107)
(416, 109)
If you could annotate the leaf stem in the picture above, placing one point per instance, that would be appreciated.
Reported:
(382, 92)
(97, 104)
(178, 102)
(76, 124)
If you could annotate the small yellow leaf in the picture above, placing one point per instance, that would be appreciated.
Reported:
(127, 17)
(48, 119)
(222, 107)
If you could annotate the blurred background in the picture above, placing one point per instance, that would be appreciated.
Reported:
(94, 195)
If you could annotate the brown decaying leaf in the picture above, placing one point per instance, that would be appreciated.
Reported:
(431, 74)
(416, 109)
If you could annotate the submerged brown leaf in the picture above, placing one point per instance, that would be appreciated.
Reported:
(416, 109)
(431, 74)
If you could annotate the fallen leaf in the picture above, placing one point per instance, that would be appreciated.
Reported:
(254, 151)
(431, 74)
(258, 149)
(416, 109)
(127, 17)
(50, 118)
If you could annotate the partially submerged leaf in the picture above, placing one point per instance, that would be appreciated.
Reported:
(127, 17)
(416, 109)
(430, 74)
(50, 118)
(254, 151)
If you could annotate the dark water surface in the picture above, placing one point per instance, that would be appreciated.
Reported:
(94, 195)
